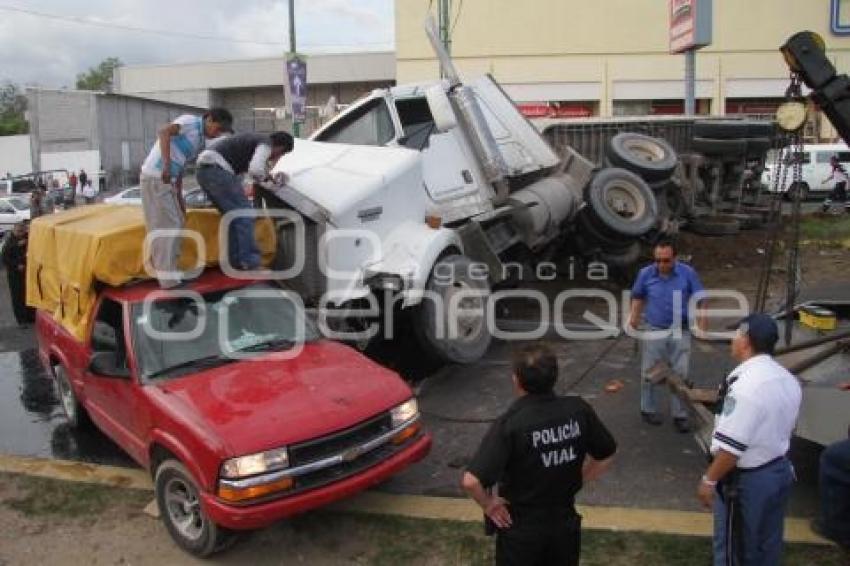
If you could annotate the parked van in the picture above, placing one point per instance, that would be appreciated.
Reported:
(815, 169)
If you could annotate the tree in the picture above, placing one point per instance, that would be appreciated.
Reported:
(100, 77)
(13, 104)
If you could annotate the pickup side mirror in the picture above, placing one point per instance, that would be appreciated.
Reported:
(441, 108)
(106, 364)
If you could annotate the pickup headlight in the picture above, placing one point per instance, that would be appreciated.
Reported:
(254, 464)
(405, 412)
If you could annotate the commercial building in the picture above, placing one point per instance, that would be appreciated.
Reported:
(611, 57)
(252, 89)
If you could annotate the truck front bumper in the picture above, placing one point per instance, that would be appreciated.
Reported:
(258, 515)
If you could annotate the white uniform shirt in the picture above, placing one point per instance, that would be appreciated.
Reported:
(759, 412)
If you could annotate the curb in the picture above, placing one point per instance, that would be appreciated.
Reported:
(660, 521)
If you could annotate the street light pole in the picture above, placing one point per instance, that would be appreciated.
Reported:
(296, 126)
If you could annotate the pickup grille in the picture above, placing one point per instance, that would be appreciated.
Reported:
(312, 450)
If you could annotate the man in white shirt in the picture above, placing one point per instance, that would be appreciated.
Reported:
(749, 480)
(161, 181)
(219, 168)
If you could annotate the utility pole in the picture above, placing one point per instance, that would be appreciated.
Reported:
(690, 81)
(296, 126)
(444, 25)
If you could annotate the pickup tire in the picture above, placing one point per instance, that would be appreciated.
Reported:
(74, 411)
(651, 158)
(450, 275)
(179, 502)
(621, 203)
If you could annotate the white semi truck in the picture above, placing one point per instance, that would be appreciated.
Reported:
(427, 194)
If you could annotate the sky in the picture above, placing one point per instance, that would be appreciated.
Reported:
(50, 52)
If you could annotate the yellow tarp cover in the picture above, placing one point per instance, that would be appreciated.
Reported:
(69, 251)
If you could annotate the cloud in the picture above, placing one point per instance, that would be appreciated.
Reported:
(48, 52)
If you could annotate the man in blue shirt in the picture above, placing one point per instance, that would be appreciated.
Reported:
(660, 298)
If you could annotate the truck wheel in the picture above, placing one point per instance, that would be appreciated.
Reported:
(651, 158)
(591, 235)
(179, 503)
(74, 411)
(451, 275)
(621, 203)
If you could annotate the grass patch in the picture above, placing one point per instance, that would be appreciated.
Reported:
(41, 497)
(825, 228)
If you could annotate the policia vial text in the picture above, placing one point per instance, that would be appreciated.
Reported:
(556, 435)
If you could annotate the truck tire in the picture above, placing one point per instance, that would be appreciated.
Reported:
(179, 502)
(711, 227)
(593, 236)
(651, 158)
(74, 411)
(721, 129)
(621, 203)
(624, 258)
(716, 146)
(431, 318)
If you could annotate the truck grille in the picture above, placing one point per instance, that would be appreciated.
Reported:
(312, 450)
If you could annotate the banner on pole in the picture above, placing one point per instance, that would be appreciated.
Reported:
(296, 87)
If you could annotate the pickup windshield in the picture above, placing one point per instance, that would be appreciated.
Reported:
(177, 336)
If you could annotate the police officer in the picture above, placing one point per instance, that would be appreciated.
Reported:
(538, 453)
(749, 479)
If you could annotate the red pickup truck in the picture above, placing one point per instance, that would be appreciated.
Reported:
(228, 395)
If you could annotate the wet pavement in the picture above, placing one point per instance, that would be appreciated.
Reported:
(656, 467)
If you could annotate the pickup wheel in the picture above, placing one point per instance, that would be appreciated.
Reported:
(74, 411)
(435, 316)
(179, 502)
(651, 158)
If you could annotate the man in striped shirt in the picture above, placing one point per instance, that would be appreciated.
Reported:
(162, 182)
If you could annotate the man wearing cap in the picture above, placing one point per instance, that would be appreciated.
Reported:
(660, 298)
(749, 479)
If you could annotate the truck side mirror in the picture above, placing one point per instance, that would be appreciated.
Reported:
(106, 364)
(441, 108)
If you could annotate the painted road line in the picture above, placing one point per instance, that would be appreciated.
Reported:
(687, 523)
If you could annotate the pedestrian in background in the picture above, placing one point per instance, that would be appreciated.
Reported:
(660, 298)
(162, 183)
(219, 169)
(749, 480)
(538, 454)
(84, 179)
(15, 262)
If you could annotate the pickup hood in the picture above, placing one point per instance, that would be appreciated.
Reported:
(252, 406)
(336, 177)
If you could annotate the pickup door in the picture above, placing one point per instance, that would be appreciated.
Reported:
(113, 397)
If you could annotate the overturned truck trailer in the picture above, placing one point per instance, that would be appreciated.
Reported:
(715, 188)
(417, 197)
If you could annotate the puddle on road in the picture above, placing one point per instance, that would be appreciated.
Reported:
(32, 422)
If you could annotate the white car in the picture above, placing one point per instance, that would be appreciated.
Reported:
(13, 209)
(133, 195)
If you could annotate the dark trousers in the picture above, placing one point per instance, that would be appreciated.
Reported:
(749, 515)
(835, 491)
(540, 543)
(17, 293)
(226, 193)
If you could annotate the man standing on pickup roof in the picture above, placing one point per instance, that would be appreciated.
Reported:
(162, 182)
(660, 296)
(749, 479)
(538, 454)
(839, 190)
(219, 170)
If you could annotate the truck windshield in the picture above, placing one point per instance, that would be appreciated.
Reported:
(176, 336)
